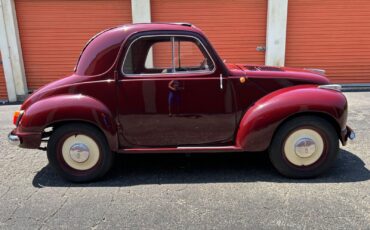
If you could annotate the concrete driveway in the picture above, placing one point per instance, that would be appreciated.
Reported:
(224, 191)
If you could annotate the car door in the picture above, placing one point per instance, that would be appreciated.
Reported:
(171, 93)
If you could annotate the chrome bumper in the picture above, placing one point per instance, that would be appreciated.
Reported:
(13, 139)
(350, 133)
(346, 134)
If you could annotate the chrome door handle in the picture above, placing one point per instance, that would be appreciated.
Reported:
(221, 82)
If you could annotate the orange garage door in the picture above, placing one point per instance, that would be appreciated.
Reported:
(235, 28)
(3, 92)
(331, 35)
(54, 32)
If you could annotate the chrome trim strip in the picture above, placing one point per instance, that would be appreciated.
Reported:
(206, 147)
(335, 87)
(21, 113)
(173, 55)
(315, 70)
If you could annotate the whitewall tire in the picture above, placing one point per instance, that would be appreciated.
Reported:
(304, 147)
(79, 152)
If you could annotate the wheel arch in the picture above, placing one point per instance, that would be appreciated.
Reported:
(63, 109)
(261, 121)
(327, 117)
(50, 128)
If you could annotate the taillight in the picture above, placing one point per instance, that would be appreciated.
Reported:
(17, 115)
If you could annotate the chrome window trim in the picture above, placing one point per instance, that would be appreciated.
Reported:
(175, 73)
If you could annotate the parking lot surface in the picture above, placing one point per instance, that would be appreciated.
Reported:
(199, 191)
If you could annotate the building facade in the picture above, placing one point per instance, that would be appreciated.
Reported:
(40, 41)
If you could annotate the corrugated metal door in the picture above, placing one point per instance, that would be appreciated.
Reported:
(331, 35)
(235, 28)
(3, 92)
(54, 32)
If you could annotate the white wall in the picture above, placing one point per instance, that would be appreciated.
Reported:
(11, 51)
(277, 16)
(141, 14)
(140, 11)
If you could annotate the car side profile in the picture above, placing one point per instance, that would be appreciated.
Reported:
(161, 87)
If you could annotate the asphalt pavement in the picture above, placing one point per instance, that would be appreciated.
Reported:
(199, 191)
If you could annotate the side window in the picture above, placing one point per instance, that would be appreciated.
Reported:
(166, 54)
(189, 56)
(159, 56)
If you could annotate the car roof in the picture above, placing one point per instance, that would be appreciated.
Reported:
(139, 27)
(107, 43)
(128, 29)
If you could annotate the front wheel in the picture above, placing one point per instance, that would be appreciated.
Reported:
(304, 147)
(79, 152)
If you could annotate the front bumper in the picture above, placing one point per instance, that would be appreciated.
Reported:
(346, 134)
(13, 139)
(29, 140)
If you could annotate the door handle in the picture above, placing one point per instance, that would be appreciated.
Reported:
(221, 82)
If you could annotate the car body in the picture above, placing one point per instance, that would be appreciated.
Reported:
(161, 87)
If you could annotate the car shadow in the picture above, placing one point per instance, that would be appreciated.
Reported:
(131, 170)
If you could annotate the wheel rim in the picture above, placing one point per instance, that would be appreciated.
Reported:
(304, 147)
(80, 152)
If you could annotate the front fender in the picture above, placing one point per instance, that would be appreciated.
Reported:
(260, 122)
(64, 108)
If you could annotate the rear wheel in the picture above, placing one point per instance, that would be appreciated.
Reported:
(304, 147)
(79, 152)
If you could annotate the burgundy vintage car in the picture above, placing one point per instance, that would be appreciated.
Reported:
(162, 88)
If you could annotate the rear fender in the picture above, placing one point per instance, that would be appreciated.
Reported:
(260, 122)
(70, 108)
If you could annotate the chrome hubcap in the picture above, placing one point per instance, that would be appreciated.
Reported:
(79, 152)
(305, 147)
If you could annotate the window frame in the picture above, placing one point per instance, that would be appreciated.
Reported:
(172, 38)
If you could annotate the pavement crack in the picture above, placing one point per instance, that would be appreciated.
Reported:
(6, 192)
(103, 219)
(29, 197)
(15, 210)
(286, 206)
(12, 214)
(57, 210)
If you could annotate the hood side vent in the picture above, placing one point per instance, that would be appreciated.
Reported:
(263, 68)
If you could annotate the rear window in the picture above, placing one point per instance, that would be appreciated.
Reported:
(99, 54)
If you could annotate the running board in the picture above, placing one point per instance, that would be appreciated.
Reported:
(185, 149)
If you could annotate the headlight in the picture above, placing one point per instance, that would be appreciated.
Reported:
(331, 87)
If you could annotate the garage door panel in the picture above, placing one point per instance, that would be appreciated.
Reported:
(326, 34)
(235, 28)
(53, 34)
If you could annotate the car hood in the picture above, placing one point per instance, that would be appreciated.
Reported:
(259, 72)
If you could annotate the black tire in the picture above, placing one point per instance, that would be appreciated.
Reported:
(280, 159)
(103, 155)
